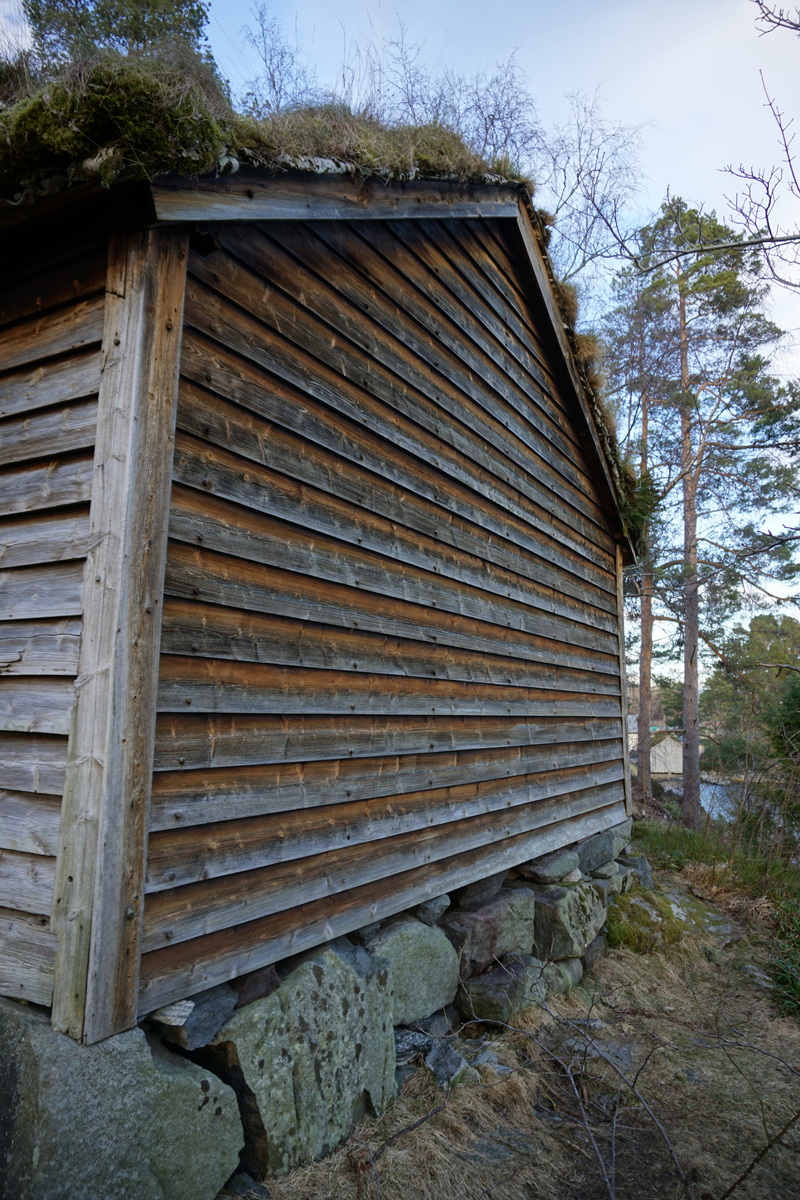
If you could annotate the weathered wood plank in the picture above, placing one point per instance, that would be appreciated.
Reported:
(33, 764)
(258, 196)
(60, 481)
(66, 329)
(27, 957)
(60, 382)
(623, 684)
(179, 857)
(36, 705)
(47, 289)
(184, 798)
(98, 896)
(189, 967)
(214, 632)
(29, 823)
(401, 379)
(218, 472)
(206, 575)
(350, 386)
(395, 332)
(56, 430)
(26, 881)
(205, 740)
(243, 433)
(40, 647)
(236, 529)
(220, 686)
(28, 593)
(399, 451)
(46, 537)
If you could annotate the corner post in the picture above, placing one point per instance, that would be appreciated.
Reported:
(99, 893)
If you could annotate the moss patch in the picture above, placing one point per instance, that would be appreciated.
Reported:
(643, 921)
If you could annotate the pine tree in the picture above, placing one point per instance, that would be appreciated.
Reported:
(64, 29)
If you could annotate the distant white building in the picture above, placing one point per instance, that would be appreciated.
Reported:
(666, 755)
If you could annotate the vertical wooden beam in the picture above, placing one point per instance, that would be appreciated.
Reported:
(623, 683)
(98, 901)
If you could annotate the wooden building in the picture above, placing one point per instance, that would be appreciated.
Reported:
(310, 575)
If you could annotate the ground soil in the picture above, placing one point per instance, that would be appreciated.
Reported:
(714, 1061)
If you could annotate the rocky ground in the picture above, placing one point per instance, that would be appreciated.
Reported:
(667, 1073)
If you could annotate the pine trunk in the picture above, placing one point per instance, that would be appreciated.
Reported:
(644, 781)
(691, 602)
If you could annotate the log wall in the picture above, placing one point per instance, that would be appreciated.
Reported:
(51, 322)
(390, 642)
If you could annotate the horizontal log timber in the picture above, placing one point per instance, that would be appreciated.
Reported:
(217, 472)
(53, 590)
(50, 383)
(30, 763)
(183, 798)
(257, 196)
(392, 333)
(401, 381)
(47, 289)
(35, 704)
(222, 686)
(64, 428)
(45, 537)
(183, 856)
(67, 329)
(431, 471)
(40, 647)
(203, 740)
(29, 823)
(26, 881)
(218, 579)
(352, 389)
(177, 971)
(210, 631)
(241, 531)
(209, 417)
(27, 957)
(60, 481)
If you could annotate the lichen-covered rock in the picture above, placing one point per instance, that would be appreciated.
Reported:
(562, 976)
(603, 847)
(621, 882)
(506, 989)
(567, 920)
(480, 891)
(121, 1119)
(504, 925)
(448, 1066)
(643, 921)
(423, 964)
(311, 1058)
(550, 868)
(431, 911)
(606, 870)
(640, 867)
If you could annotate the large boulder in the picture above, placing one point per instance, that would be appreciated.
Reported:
(125, 1119)
(310, 1059)
(603, 846)
(567, 920)
(504, 925)
(423, 964)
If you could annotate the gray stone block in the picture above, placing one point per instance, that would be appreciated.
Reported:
(499, 993)
(567, 919)
(550, 868)
(602, 847)
(423, 964)
(562, 976)
(594, 952)
(449, 1067)
(640, 867)
(123, 1119)
(606, 870)
(193, 1023)
(504, 925)
(481, 891)
(621, 882)
(310, 1059)
(431, 912)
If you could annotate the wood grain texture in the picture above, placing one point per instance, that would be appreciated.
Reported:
(98, 896)
(53, 590)
(33, 764)
(189, 967)
(74, 327)
(65, 381)
(26, 881)
(623, 682)
(256, 196)
(40, 647)
(195, 797)
(421, 819)
(60, 481)
(29, 823)
(67, 427)
(44, 537)
(27, 957)
(48, 289)
(36, 705)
